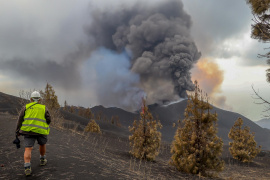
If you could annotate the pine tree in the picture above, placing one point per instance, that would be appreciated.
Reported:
(92, 126)
(117, 121)
(88, 114)
(112, 119)
(243, 147)
(145, 139)
(65, 105)
(98, 116)
(72, 109)
(81, 111)
(196, 147)
(261, 28)
(49, 98)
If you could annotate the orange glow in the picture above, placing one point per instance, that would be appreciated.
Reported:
(210, 78)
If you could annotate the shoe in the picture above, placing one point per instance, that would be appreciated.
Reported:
(27, 171)
(43, 161)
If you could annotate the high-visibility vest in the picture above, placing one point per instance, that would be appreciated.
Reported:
(34, 119)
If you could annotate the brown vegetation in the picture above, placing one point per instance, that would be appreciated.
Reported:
(244, 147)
(50, 100)
(196, 148)
(92, 126)
(145, 139)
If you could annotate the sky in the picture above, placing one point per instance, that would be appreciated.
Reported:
(108, 52)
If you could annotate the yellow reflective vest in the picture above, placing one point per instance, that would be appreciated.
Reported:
(34, 119)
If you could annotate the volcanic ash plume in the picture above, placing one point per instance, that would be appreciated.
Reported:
(158, 37)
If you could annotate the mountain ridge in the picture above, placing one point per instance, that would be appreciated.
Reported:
(264, 123)
(167, 114)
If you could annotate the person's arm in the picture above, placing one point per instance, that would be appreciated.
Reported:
(47, 117)
(20, 120)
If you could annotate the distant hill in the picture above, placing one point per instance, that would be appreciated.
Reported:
(264, 123)
(9, 103)
(170, 114)
(167, 114)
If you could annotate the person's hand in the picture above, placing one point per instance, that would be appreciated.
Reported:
(17, 133)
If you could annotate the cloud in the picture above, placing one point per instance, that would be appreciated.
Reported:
(38, 72)
(215, 21)
(218, 26)
(43, 41)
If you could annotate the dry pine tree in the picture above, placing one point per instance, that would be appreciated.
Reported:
(243, 147)
(145, 139)
(196, 147)
(92, 126)
(50, 100)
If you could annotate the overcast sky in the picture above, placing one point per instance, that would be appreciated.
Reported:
(49, 41)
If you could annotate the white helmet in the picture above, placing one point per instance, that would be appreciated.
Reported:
(35, 96)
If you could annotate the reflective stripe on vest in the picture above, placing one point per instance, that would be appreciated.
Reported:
(34, 119)
(32, 125)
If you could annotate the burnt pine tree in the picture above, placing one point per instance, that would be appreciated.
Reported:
(196, 147)
(49, 98)
(65, 105)
(92, 126)
(88, 114)
(117, 121)
(243, 147)
(72, 109)
(81, 111)
(145, 139)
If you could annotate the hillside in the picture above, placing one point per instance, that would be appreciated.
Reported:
(9, 103)
(171, 113)
(226, 119)
(73, 155)
(264, 123)
(167, 114)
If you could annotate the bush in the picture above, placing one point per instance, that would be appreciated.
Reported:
(243, 147)
(92, 126)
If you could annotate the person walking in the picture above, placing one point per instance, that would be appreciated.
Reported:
(33, 123)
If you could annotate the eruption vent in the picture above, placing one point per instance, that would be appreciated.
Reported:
(158, 39)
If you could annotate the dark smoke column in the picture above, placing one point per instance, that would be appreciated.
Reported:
(158, 37)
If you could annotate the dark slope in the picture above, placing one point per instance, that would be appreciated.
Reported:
(94, 156)
(106, 127)
(125, 117)
(73, 156)
(170, 114)
(9, 103)
(264, 123)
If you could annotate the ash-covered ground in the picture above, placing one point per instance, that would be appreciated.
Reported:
(90, 156)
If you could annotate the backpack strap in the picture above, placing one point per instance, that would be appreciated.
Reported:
(31, 106)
